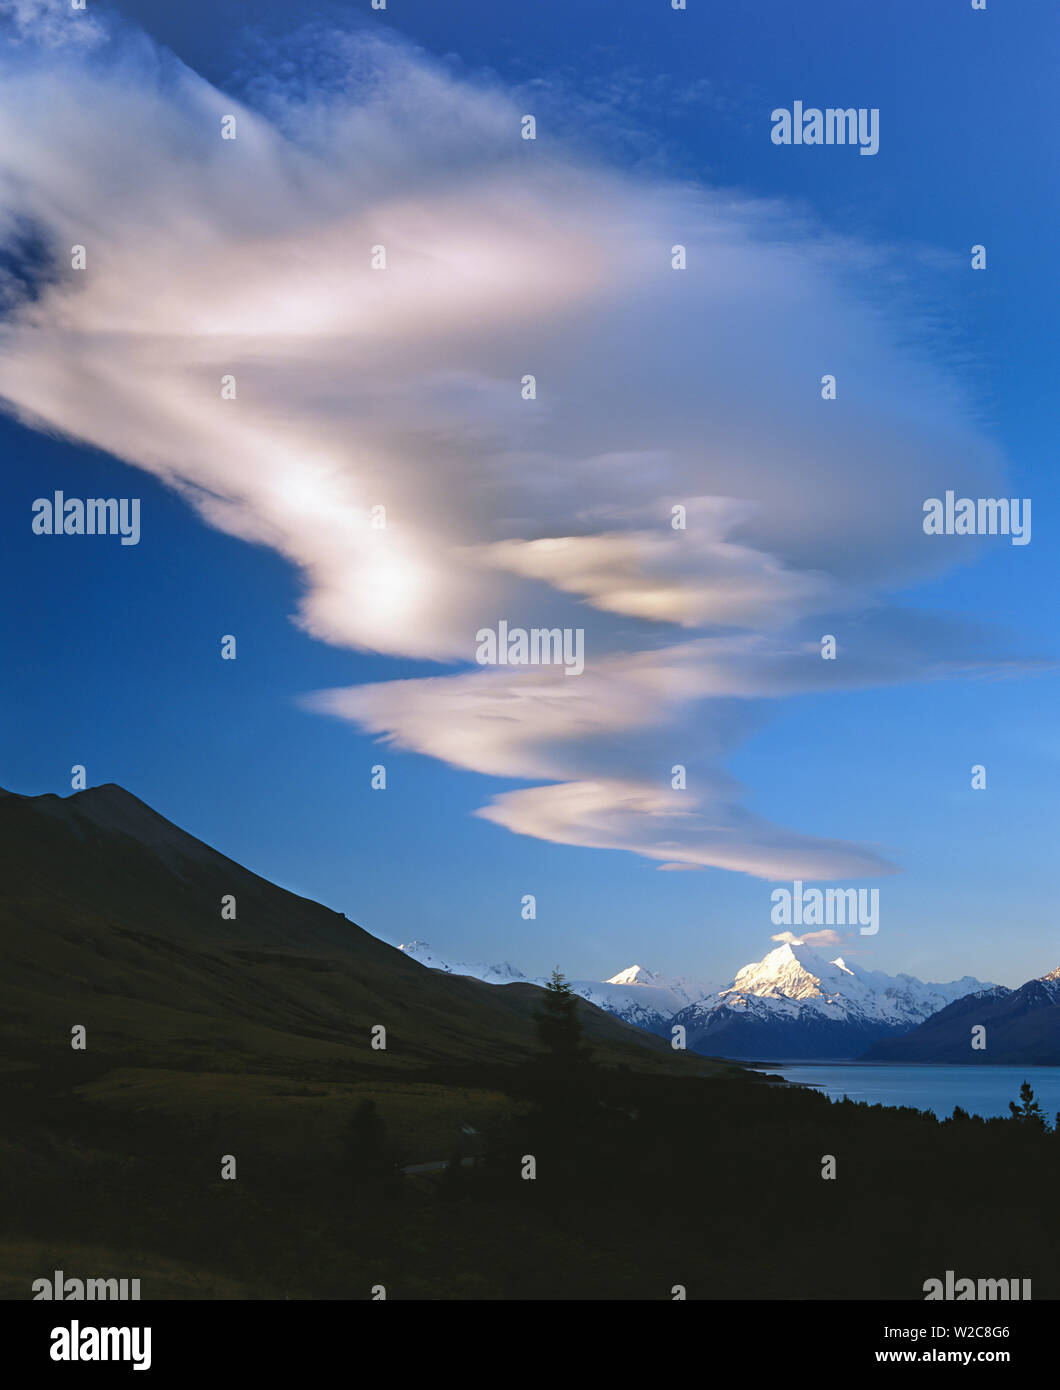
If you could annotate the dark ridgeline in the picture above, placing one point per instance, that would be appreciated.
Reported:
(252, 1038)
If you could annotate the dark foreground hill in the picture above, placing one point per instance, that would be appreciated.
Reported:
(111, 918)
(1021, 1026)
(244, 1047)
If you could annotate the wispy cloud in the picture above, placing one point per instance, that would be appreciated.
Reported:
(810, 938)
(400, 388)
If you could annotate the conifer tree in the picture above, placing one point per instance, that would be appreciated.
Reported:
(1029, 1113)
(558, 1025)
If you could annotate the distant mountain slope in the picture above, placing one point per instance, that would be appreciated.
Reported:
(110, 917)
(644, 1006)
(1022, 1025)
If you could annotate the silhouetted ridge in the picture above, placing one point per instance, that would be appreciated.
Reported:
(111, 914)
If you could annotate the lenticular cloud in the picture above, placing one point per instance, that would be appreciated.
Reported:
(359, 388)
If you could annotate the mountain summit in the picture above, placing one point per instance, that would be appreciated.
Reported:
(635, 975)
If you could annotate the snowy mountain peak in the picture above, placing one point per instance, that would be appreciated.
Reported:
(635, 975)
(500, 974)
(795, 972)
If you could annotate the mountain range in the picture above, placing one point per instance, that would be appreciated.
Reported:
(1019, 1026)
(794, 1004)
(636, 996)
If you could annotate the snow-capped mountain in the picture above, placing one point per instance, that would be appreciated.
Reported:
(797, 973)
(635, 975)
(683, 991)
(642, 1005)
(792, 1004)
(795, 1003)
(1013, 1025)
(502, 974)
(636, 995)
(644, 998)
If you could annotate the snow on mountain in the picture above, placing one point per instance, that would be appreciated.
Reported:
(793, 1003)
(502, 974)
(636, 995)
(796, 977)
(684, 992)
(635, 975)
(796, 1003)
(641, 997)
(1019, 1025)
(642, 1005)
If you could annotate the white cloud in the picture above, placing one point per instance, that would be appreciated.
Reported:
(692, 575)
(708, 829)
(810, 938)
(361, 387)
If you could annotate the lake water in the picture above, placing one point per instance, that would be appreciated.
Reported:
(982, 1091)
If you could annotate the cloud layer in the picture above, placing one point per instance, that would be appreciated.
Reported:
(401, 388)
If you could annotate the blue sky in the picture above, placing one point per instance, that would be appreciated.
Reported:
(805, 256)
